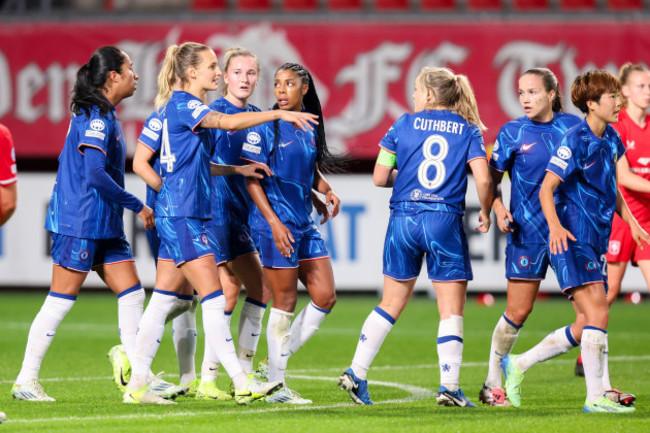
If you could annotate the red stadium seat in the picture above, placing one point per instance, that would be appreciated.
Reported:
(577, 4)
(344, 5)
(204, 5)
(391, 5)
(253, 5)
(624, 4)
(433, 5)
(525, 5)
(299, 5)
(484, 4)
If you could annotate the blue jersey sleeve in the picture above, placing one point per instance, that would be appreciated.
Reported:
(97, 132)
(192, 113)
(565, 159)
(257, 146)
(476, 146)
(502, 155)
(390, 140)
(619, 147)
(151, 133)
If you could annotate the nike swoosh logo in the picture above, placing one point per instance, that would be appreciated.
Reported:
(589, 165)
(525, 147)
(232, 132)
(283, 144)
(284, 354)
(124, 382)
(49, 335)
(213, 369)
(158, 341)
(249, 356)
(228, 339)
(254, 335)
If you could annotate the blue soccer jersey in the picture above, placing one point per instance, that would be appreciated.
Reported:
(432, 148)
(523, 149)
(230, 195)
(151, 136)
(77, 209)
(291, 156)
(185, 159)
(586, 198)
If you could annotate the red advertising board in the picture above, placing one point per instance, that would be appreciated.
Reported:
(364, 72)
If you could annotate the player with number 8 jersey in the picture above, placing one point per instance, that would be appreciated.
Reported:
(424, 157)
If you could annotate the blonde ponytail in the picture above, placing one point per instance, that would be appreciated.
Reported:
(466, 106)
(167, 77)
(452, 92)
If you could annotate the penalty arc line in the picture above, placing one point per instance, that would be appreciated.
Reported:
(416, 393)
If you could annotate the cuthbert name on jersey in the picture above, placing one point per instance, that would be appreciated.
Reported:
(438, 125)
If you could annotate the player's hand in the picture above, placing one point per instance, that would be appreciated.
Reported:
(300, 120)
(321, 207)
(146, 215)
(639, 235)
(255, 170)
(559, 239)
(484, 219)
(283, 239)
(504, 218)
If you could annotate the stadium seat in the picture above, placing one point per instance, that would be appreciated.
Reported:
(337, 5)
(577, 4)
(299, 5)
(484, 4)
(391, 5)
(205, 5)
(253, 5)
(624, 4)
(435, 5)
(525, 5)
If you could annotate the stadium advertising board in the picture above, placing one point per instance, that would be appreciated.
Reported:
(364, 72)
(355, 239)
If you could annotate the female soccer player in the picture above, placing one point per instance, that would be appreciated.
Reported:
(523, 149)
(85, 212)
(424, 157)
(582, 175)
(183, 206)
(289, 243)
(634, 176)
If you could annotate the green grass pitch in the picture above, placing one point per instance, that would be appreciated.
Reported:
(403, 378)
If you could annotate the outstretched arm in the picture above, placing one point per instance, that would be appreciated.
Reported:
(235, 122)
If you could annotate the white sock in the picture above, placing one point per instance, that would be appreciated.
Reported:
(217, 333)
(250, 328)
(277, 335)
(503, 340)
(54, 309)
(593, 346)
(130, 304)
(210, 364)
(606, 384)
(184, 336)
(556, 343)
(450, 351)
(183, 304)
(305, 325)
(373, 333)
(150, 332)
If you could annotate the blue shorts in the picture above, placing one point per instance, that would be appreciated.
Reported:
(184, 239)
(439, 235)
(580, 265)
(234, 240)
(309, 246)
(154, 243)
(527, 261)
(79, 254)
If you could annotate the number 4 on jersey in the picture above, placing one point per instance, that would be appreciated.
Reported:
(166, 156)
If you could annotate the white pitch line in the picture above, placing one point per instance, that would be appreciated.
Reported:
(296, 373)
(417, 393)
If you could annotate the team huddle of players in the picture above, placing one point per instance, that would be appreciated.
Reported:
(230, 195)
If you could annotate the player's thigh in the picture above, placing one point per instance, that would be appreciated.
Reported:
(318, 278)
(450, 297)
(67, 281)
(249, 270)
(202, 275)
(284, 287)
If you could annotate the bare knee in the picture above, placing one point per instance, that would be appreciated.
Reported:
(518, 314)
(326, 302)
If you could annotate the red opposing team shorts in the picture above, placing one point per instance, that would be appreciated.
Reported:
(622, 247)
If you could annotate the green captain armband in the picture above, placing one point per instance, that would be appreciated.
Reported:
(386, 158)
